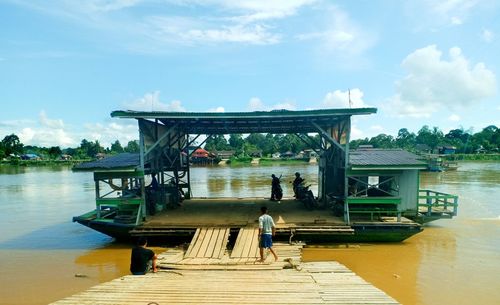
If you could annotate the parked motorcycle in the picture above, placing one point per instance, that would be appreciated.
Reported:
(306, 196)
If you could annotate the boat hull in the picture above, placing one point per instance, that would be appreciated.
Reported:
(361, 232)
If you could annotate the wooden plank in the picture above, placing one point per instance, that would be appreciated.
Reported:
(237, 249)
(212, 239)
(247, 243)
(205, 242)
(220, 245)
(197, 243)
(193, 241)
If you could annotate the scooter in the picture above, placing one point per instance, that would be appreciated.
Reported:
(306, 196)
(278, 192)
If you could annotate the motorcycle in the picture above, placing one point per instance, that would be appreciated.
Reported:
(277, 191)
(306, 196)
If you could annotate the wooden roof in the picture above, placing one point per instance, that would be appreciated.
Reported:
(276, 121)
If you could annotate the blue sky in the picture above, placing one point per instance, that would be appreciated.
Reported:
(65, 65)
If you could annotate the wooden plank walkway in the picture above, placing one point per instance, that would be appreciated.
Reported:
(208, 273)
(174, 259)
(247, 244)
(308, 283)
(208, 243)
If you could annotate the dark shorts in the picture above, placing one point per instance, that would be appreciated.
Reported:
(266, 241)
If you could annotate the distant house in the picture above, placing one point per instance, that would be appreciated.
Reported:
(310, 153)
(30, 157)
(200, 153)
(287, 154)
(300, 155)
(481, 150)
(423, 148)
(365, 146)
(66, 157)
(255, 153)
(447, 150)
(276, 155)
(100, 156)
(224, 154)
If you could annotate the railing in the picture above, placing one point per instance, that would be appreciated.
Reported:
(437, 202)
(374, 205)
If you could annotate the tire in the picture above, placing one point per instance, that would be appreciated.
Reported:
(279, 194)
(308, 202)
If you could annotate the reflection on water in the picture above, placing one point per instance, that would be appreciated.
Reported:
(451, 262)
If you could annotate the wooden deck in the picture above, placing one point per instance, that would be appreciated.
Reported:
(203, 275)
(308, 283)
(239, 212)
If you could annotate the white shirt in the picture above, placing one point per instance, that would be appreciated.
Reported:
(266, 224)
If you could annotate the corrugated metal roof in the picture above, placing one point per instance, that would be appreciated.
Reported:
(239, 115)
(276, 121)
(384, 157)
(120, 161)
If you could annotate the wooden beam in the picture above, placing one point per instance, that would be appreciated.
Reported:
(327, 137)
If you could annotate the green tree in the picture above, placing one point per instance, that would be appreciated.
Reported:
(405, 139)
(236, 142)
(54, 152)
(217, 142)
(11, 145)
(132, 147)
(432, 137)
(382, 141)
(116, 147)
(89, 149)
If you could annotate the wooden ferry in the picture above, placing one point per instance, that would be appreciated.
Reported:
(365, 195)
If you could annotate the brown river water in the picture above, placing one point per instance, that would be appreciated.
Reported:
(45, 257)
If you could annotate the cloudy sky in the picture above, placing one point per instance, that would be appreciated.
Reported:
(65, 65)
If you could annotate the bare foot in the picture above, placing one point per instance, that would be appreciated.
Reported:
(275, 258)
(260, 260)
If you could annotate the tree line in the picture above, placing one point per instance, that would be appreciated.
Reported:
(487, 140)
(465, 142)
(12, 146)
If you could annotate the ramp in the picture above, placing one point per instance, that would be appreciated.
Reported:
(208, 243)
(247, 244)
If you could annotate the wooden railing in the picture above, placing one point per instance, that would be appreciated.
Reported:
(433, 202)
(374, 205)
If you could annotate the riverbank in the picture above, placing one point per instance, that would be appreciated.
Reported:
(17, 162)
(472, 157)
(267, 161)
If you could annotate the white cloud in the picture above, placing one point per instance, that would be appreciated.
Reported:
(151, 102)
(217, 109)
(377, 128)
(452, 11)
(51, 123)
(107, 133)
(342, 35)
(487, 36)
(255, 104)
(434, 83)
(340, 99)
(111, 5)
(256, 34)
(258, 10)
(454, 118)
(356, 133)
(44, 132)
(166, 23)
